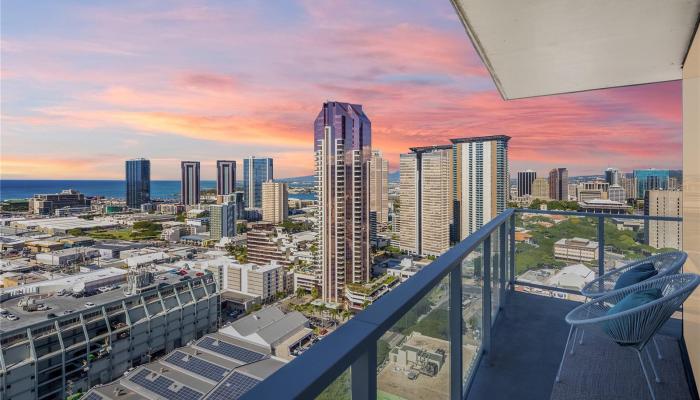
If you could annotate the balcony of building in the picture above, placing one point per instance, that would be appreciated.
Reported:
(486, 321)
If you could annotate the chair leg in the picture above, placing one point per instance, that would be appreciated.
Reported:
(658, 352)
(573, 342)
(653, 367)
(582, 332)
(563, 356)
(646, 376)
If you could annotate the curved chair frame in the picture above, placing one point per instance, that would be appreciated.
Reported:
(665, 263)
(637, 326)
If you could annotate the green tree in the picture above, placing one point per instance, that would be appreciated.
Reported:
(180, 217)
(300, 292)
(241, 227)
(314, 293)
(75, 232)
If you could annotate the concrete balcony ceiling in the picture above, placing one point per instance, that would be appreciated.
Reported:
(542, 47)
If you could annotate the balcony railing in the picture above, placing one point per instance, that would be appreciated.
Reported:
(426, 338)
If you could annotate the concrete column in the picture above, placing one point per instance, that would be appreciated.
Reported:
(691, 197)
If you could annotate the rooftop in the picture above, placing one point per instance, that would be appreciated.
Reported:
(215, 367)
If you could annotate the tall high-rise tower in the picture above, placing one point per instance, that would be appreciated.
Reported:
(525, 179)
(378, 192)
(426, 200)
(189, 183)
(225, 177)
(255, 172)
(651, 179)
(613, 176)
(342, 148)
(138, 182)
(274, 202)
(559, 184)
(481, 181)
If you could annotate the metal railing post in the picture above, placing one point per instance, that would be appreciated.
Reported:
(486, 307)
(502, 235)
(512, 252)
(363, 375)
(455, 336)
(601, 245)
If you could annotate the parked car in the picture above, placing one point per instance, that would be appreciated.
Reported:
(89, 304)
(12, 317)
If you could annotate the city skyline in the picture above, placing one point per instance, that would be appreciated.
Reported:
(65, 118)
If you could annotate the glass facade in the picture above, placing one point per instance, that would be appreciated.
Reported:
(255, 172)
(138, 182)
(342, 150)
(651, 179)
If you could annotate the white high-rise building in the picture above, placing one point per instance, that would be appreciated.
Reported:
(481, 181)
(342, 148)
(378, 192)
(667, 203)
(274, 202)
(426, 200)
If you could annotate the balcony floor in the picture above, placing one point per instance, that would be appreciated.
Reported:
(529, 337)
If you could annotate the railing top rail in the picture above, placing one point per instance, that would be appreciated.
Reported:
(316, 368)
(597, 215)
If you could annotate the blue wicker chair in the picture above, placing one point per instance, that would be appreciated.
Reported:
(665, 264)
(634, 328)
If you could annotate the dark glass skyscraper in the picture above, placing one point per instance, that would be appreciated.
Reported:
(225, 177)
(525, 179)
(255, 172)
(342, 149)
(559, 184)
(138, 182)
(189, 183)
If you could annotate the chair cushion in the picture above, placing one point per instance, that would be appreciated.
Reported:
(636, 274)
(632, 300)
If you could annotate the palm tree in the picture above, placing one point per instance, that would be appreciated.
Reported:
(334, 315)
(346, 315)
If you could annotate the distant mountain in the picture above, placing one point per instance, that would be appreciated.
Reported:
(394, 176)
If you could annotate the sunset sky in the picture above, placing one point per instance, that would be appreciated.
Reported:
(86, 85)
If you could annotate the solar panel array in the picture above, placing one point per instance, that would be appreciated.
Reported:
(235, 386)
(162, 387)
(92, 396)
(197, 366)
(229, 350)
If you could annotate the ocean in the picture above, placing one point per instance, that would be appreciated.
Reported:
(160, 190)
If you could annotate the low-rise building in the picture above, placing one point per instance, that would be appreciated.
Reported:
(214, 367)
(576, 249)
(360, 295)
(603, 206)
(68, 256)
(272, 329)
(264, 281)
(45, 204)
(44, 246)
(72, 344)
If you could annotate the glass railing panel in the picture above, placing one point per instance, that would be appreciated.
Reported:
(495, 274)
(340, 389)
(556, 251)
(472, 311)
(628, 240)
(633, 239)
(413, 357)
